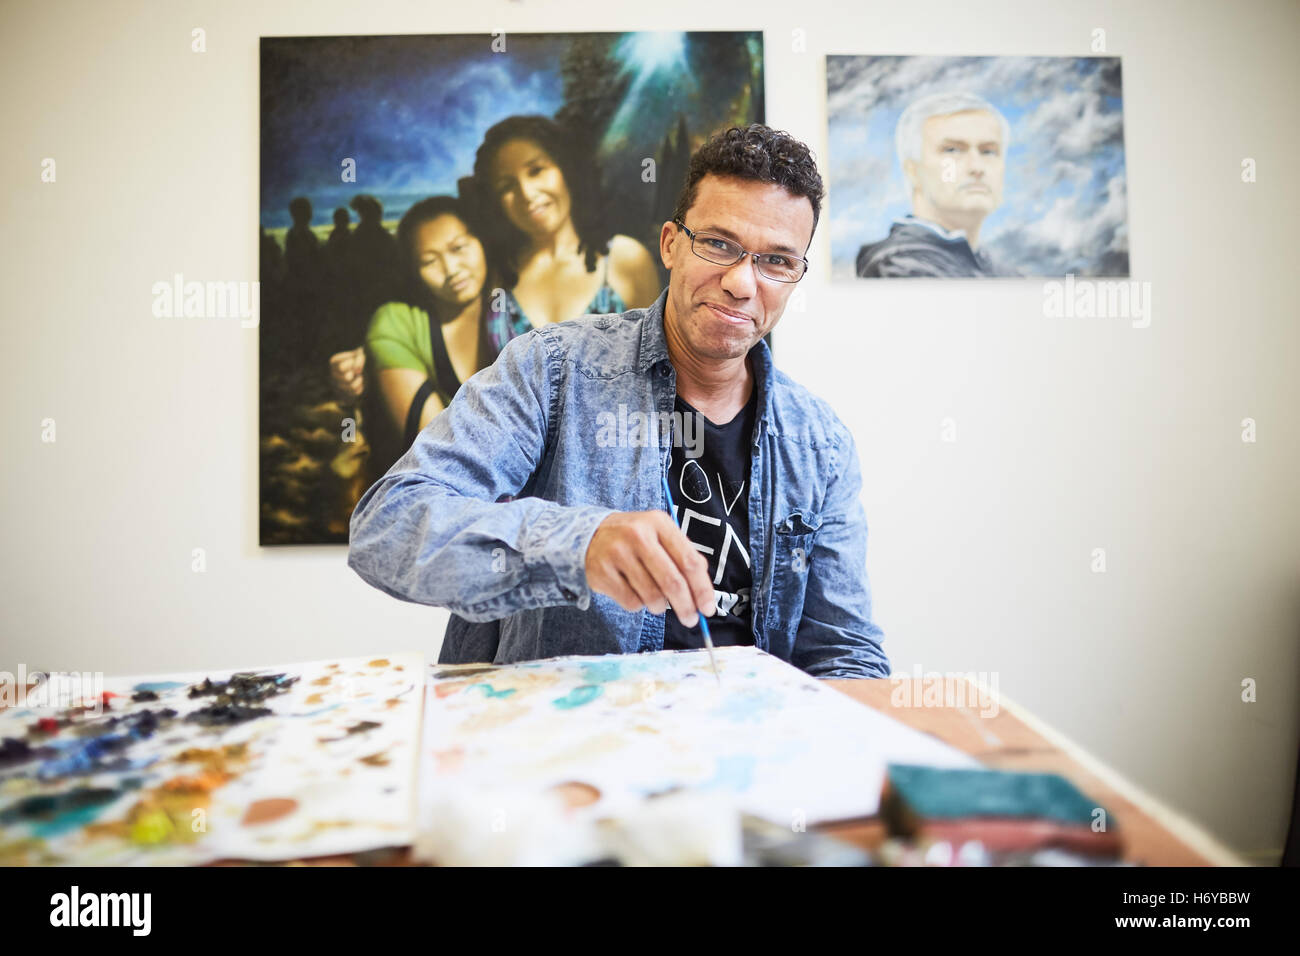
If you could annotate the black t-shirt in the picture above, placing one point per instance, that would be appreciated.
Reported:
(710, 497)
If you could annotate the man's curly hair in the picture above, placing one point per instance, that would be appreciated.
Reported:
(757, 153)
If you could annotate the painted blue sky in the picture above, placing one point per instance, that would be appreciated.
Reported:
(410, 110)
(1064, 203)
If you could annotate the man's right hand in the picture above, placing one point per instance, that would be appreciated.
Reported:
(643, 560)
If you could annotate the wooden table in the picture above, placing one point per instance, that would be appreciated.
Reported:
(1013, 739)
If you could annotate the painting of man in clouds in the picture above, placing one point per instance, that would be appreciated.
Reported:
(974, 167)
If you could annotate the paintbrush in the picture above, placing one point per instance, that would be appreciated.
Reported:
(704, 625)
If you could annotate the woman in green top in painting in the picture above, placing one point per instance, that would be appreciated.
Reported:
(553, 260)
(543, 225)
(421, 347)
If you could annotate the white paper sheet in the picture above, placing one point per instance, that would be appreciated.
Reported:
(783, 745)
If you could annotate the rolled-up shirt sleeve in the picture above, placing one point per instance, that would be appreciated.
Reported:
(436, 530)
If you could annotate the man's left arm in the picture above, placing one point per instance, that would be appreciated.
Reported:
(836, 636)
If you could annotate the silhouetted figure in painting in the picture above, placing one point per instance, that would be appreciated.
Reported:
(340, 318)
(375, 267)
(270, 263)
(337, 242)
(301, 247)
(303, 292)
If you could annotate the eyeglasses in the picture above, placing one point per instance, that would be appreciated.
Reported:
(724, 252)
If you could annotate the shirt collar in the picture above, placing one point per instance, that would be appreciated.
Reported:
(654, 347)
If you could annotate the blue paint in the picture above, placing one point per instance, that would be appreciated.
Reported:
(159, 686)
(489, 692)
(734, 772)
(106, 751)
(751, 703)
(578, 696)
(318, 710)
(82, 756)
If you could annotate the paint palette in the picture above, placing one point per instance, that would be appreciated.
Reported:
(277, 763)
(609, 732)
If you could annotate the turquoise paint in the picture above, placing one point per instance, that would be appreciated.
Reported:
(71, 820)
(160, 685)
(489, 692)
(51, 816)
(578, 696)
(602, 672)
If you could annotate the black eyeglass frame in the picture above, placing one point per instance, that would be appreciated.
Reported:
(691, 234)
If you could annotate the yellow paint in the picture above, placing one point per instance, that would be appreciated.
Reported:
(152, 826)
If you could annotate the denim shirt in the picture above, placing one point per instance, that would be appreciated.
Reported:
(490, 512)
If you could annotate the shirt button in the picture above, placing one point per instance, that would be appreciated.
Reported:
(663, 371)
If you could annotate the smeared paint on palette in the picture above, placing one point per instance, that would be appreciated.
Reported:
(576, 794)
(268, 810)
(608, 733)
(190, 768)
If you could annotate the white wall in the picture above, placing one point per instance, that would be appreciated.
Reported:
(1072, 434)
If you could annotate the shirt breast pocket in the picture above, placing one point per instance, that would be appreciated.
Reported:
(793, 539)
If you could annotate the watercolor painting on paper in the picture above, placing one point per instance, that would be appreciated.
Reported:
(781, 744)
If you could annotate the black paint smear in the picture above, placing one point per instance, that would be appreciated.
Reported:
(234, 698)
(244, 688)
(217, 715)
(142, 723)
(207, 687)
(14, 751)
(143, 695)
(147, 722)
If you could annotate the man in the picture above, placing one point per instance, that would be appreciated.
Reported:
(952, 149)
(545, 530)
